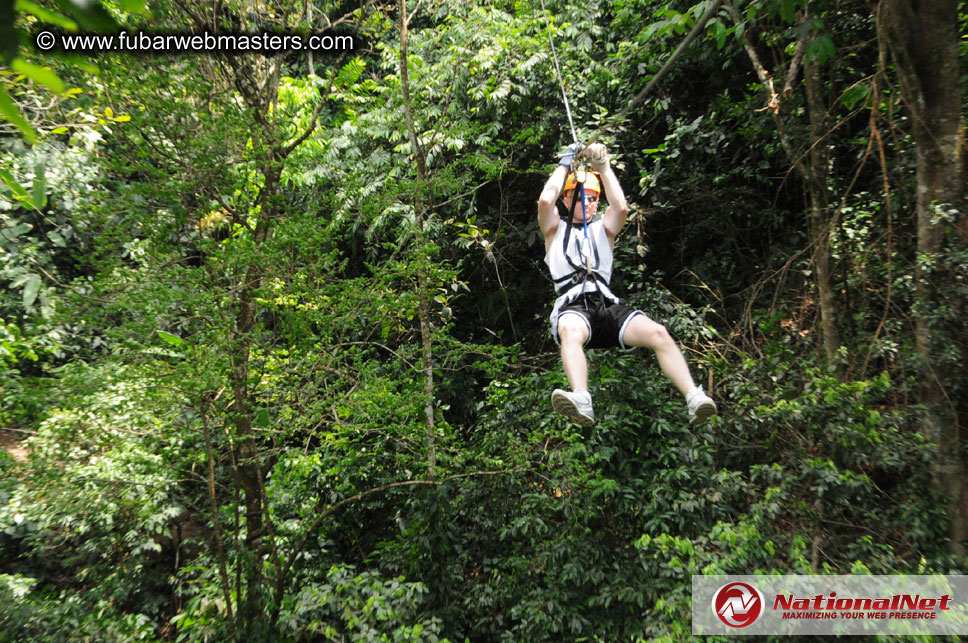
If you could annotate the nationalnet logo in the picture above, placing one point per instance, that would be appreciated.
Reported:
(738, 604)
(898, 606)
(830, 605)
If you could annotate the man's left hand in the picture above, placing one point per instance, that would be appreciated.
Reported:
(597, 156)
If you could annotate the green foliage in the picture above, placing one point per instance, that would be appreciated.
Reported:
(204, 329)
(360, 607)
(29, 614)
(95, 486)
(17, 34)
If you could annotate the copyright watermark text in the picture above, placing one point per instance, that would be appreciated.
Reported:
(142, 42)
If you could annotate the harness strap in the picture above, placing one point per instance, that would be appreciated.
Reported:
(579, 273)
(575, 278)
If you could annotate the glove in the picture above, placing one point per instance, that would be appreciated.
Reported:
(569, 157)
(597, 156)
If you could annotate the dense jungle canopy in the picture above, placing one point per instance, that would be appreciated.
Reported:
(274, 346)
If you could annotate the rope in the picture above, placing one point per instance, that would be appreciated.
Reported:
(561, 82)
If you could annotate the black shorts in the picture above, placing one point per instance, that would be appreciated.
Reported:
(606, 320)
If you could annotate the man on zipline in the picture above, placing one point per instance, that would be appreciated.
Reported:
(578, 251)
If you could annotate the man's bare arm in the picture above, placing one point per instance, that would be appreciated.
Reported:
(618, 207)
(547, 212)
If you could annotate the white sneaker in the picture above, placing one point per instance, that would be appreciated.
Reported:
(701, 406)
(576, 406)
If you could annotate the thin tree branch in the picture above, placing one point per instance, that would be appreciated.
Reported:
(287, 150)
(794, 68)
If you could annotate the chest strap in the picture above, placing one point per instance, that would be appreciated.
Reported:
(579, 272)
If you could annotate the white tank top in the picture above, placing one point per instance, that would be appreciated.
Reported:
(565, 255)
(565, 252)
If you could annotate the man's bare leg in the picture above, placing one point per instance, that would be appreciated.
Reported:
(642, 331)
(577, 404)
(572, 334)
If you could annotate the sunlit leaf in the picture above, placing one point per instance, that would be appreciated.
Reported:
(132, 6)
(174, 340)
(10, 112)
(38, 74)
(39, 189)
(19, 192)
(46, 15)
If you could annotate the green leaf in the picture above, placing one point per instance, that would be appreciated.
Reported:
(9, 110)
(132, 6)
(89, 15)
(30, 289)
(45, 15)
(17, 189)
(719, 33)
(38, 74)
(17, 230)
(174, 340)
(19, 192)
(56, 239)
(39, 189)
(855, 94)
(84, 64)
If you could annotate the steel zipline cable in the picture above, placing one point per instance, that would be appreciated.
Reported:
(561, 82)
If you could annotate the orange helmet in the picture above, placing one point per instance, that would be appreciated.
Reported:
(590, 179)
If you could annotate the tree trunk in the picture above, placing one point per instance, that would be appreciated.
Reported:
(818, 217)
(922, 36)
(423, 280)
(249, 468)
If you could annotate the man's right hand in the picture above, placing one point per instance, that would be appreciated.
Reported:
(569, 157)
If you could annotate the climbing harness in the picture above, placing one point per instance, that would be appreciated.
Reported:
(587, 249)
(585, 262)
